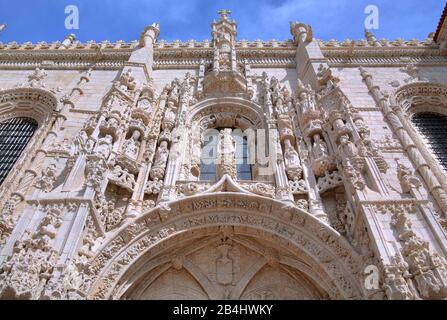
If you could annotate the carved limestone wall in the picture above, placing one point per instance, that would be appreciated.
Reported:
(108, 200)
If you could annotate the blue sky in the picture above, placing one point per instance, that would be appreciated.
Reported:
(43, 20)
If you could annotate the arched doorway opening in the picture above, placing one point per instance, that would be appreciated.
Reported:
(226, 245)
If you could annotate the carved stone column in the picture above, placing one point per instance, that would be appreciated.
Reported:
(421, 165)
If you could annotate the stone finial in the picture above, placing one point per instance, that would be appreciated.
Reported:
(224, 13)
(370, 36)
(68, 40)
(2, 27)
(150, 35)
(301, 32)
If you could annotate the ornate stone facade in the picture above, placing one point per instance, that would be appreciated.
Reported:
(108, 200)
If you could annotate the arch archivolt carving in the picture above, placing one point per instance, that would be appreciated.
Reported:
(249, 113)
(301, 242)
(34, 103)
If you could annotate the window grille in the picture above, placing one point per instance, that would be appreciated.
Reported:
(209, 156)
(14, 137)
(433, 129)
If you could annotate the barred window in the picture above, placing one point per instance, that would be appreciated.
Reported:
(243, 166)
(433, 129)
(14, 137)
(209, 156)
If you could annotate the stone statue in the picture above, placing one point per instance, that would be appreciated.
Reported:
(161, 158)
(105, 146)
(145, 104)
(305, 97)
(407, 179)
(292, 161)
(226, 148)
(319, 148)
(226, 144)
(347, 149)
(170, 116)
(175, 90)
(127, 81)
(132, 145)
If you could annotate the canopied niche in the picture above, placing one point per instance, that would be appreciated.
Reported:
(210, 120)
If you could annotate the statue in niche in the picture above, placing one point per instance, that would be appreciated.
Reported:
(185, 88)
(161, 158)
(319, 147)
(360, 124)
(145, 104)
(275, 89)
(292, 161)
(221, 37)
(170, 115)
(306, 98)
(226, 148)
(265, 85)
(175, 90)
(226, 144)
(285, 126)
(127, 81)
(282, 101)
(132, 145)
(275, 85)
(369, 143)
(347, 149)
(224, 61)
(105, 146)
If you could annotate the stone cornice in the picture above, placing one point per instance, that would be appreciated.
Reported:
(189, 54)
(383, 44)
(381, 61)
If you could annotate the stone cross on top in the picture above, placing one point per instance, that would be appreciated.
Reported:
(224, 13)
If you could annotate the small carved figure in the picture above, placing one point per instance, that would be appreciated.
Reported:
(105, 146)
(132, 145)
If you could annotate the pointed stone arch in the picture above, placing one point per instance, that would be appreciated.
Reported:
(284, 236)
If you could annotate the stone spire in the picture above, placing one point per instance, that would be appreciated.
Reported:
(301, 32)
(224, 41)
(150, 35)
(68, 41)
(225, 78)
(371, 38)
(2, 27)
(144, 54)
(224, 13)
